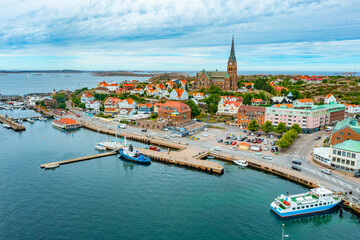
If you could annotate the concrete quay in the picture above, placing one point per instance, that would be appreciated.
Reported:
(14, 125)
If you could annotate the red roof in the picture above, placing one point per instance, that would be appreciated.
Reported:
(236, 104)
(128, 85)
(257, 100)
(179, 91)
(180, 107)
(305, 100)
(87, 95)
(329, 95)
(113, 99)
(287, 105)
(66, 121)
(148, 105)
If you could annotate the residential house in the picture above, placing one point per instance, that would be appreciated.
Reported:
(311, 118)
(280, 100)
(124, 113)
(329, 99)
(258, 101)
(179, 94)
(102, 90)
(303, 102)
(111, 111)
(49, 101)
(160, 87)
(137, 91)
(278, 88)
(348, 129)
(352, 109)
(230, 98)
(127, 103)
(85, 97)
(345, 156)
(228, 108)
(120, 91)
(128, 86)
(112, 87)
(249, 85)
(170, 85)
(183, 84)
(198, 96)
(247, 114)
(103, 84)
(111, 102)
(177, 113)
(146, 108)
(156, 107)
(95, 105)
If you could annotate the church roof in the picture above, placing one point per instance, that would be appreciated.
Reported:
(232, 51)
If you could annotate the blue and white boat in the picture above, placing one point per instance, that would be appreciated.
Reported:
(317, 200)
(130, 154)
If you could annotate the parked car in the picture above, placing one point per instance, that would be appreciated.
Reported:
(252, 134)
(266, 148)
(144, 130)
(234, 149)
(233, 143)
(227, 142)
(227, 137)
(220, 141)
(297, 168)
(258, 154)
(267, 157)
(167, 137)
(258, 135)
(357, 174)
(244, 131)
(326, 171)
(165, 129)
(205, 135)
(217, 149)
(271, 136)
(318, 137)
(296, 162)
(243, 139)
(268, 135)
(123, 126)
(248, 140)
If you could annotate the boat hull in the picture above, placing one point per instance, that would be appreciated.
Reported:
(144, 161)
(304, 211)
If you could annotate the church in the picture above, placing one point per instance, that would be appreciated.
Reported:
(226, 81)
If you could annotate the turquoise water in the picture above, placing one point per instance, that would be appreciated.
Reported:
(19, 83)
(108, 198)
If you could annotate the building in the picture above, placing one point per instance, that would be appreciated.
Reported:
(49, 101)
(128, 86)
(258, 101)
(346, 156)
(230, 98)
(137, 91)
(66, 123)
(322, 155)
(170, 85)
(248, 113)
(329, 99)
(198, 96)
(183, 84)
(127, 103)
(228, 108)
(280, 100)
(111, 102)
(278, 88)
(102, 90)
(352, 109)
(248, 85)
(176, 112)
(179, 94)
(310, 118)
(125, 113)
(146, 108)
(156, 107)
(348, 129)
(112, 87)
(303, 102)
(111, 111)
(95, 105)
(85, 97)
(224, 80)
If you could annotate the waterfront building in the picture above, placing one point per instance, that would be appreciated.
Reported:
(258, 101)
(111, 102)
(303, 102)
(49, 101)
(224, 80)
(322, 155)
(310, 118)
(198, 96)
(146, 108)
(95, 105)
(127, 103)
(175, 112)
(156, 107)
(248, 113)
(66, 123)
(111, 110)
(228, 108)
(124, 113)
(329, 99)
(280, 100)
(348, 129)
(346, 156)
(85, 97)
(179, 94)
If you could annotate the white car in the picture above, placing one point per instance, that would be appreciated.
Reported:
(233, 148)
(123, 126)
(205, 135)
(167, 137)
(267, 157)
(326, 171)
(217, 149)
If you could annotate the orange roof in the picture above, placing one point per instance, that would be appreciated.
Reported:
(287, 105)
(272, 83)
(179, 91)
(87, 94)
(236, 104)
(329, 95)
(244, 144)
(128, 85)
(103, 84)
(113, 99)
(198, 93)
(280, 88)
(67, 121)
(110, 109)
(257, 100)
(183, 81)
(247, 84)
(148, 105)
(305, 100)
(180, 107)
(113, 84)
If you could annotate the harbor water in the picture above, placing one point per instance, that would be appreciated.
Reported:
(109, 198)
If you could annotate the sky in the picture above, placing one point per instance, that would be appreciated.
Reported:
(186, 35)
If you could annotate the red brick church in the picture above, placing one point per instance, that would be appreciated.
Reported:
(224, 80)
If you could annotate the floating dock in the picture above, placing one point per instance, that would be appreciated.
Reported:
(14, 125)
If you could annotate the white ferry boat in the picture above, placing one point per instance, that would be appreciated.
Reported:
(317, 200)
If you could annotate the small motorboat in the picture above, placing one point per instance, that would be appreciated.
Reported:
(20, 121)
(6, 125)
(100, 147)
(30, 120)
(154, 148)
(242, 163)
(210, 157)
(51, 165)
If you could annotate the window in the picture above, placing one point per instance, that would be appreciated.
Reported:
(316, 205)
(348, 154)
(352, 163)
(320, 204)
(307, 206)
(311, 205)
(353, 155)
(293, 208)
(334, 151)
(347, 162)
(343, 153)
(342, 161)
(349, 134)
(298, 207)
(324, 203)
(302, 207)
(341, 133)
(339, 153)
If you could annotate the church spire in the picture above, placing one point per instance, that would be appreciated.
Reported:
(232, 52)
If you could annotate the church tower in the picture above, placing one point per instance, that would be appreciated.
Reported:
(232, 68)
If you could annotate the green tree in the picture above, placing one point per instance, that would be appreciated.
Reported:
(194, 108)
(187, 87)
(295, 127)
(292, 133)
(101, 108)
(100, 96)
(247, 99)
(60, 98)
(267, 127)
(62, 105)
(82, 105)
(212, 101)
(296, 94)
(78, 91)
(281, 128)
(253, 125)
(283, 143)
(76, 100)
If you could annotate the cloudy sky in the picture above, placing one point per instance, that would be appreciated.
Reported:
(281, 35)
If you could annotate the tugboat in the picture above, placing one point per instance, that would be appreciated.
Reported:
(128, 153)
(317, 200)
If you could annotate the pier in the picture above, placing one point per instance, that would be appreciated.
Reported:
(14, 125)
(34, 118)
(80, 159)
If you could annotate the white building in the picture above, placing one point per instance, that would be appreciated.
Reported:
(303, 102)
(224, 99)
(85, 97)
(127, 103)
(329, 99)
(228, 108)
(179, 94)
(125, 113)
(346, 156)
(352, 108)
(112, 87)
(93, 105)
(198, 96)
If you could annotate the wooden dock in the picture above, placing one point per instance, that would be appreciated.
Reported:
(14, 125)
(82, 158)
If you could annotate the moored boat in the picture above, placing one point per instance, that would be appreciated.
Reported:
(100, 147)
(154, 148)
(6, 125)
(51, 165)
(130, 154)
(317, 200)
(241, 163)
